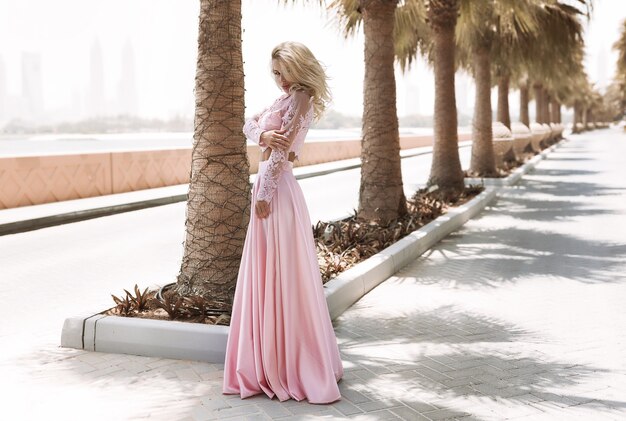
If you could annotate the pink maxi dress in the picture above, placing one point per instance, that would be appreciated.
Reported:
(281, 339)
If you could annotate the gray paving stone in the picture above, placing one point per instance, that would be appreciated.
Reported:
(462, 381)
(238, 411)
(444, 414)
(353, 396)
(306, 409)
(273, 409)
(346, 408)
(464, 373)
(432, 374)
(436, 366)
(383, 414)
(372, 406)
(407, 413)
(214, 403)
(462, 390)
(419, 406)
(202, 414)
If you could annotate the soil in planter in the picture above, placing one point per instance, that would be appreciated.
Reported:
(340, 245)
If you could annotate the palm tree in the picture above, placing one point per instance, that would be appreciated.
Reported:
(218, 199)
(620, 47)
(487, 32)
(417, 25)
(474, 34)
(428, 28)
(446, 171)
(620, 76)
(571, 91)
(557, 46)
(381, 195)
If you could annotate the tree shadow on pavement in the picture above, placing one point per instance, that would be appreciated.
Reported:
(480, 375)
(545, 210)
(570, 189)
(491, 257)
(562, 172)
(445, 325)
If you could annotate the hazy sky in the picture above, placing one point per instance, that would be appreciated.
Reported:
(163, 36)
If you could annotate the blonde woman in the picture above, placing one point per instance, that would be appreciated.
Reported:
(281, 339)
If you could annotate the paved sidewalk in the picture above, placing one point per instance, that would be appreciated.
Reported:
(520, 315)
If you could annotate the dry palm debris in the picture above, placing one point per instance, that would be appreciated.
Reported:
(342, 244)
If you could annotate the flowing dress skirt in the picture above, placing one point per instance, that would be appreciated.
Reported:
(281, 339)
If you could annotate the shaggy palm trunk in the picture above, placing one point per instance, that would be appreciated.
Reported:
(524, 99)
(538, 102)
(381, 196)
(483, 161)
(584, 119)
(218, 205)
(504, 114)
(445, 171)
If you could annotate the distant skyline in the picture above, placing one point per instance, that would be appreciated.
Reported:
(147, 51)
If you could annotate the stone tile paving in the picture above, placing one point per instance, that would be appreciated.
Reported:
(519, 315)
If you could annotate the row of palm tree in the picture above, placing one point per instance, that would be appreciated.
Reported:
(528, 42)
(617, 94)
(506, 43)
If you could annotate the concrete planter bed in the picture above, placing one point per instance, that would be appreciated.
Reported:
(202, 342)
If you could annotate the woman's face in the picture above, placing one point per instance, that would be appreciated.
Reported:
(281, 79)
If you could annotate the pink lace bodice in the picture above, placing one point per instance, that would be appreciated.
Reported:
(292, 113)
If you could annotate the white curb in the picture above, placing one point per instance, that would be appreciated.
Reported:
(200, 342)
(349, 286)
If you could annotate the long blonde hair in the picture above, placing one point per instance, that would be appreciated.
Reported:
(306, 73)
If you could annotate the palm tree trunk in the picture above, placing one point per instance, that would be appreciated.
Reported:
(218, 205)
(504, 115)
(445, 171)
(537, 87)
(524, 96)
(381, 196)
(554, 110)
(577, 117)
(483, 161)
(546, 106)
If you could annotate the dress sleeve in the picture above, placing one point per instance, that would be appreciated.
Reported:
(252, 130)
(295, 122)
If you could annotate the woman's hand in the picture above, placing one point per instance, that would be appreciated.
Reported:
(275, 139)
(262, 209)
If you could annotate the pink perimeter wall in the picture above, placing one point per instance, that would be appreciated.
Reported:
(28, 181)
